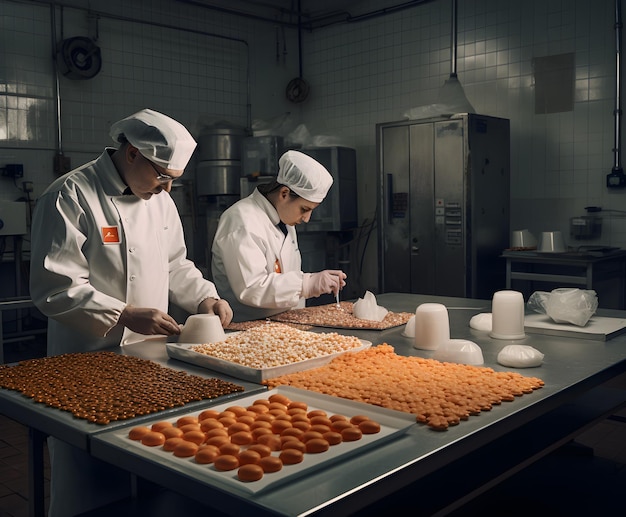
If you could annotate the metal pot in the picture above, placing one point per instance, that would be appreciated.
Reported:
(218, 177)
(220, 144)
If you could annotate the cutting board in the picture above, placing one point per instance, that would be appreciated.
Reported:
(597, 328)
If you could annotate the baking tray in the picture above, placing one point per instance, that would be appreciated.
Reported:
(307, 316)
(392, 423)
(183, 352)
(598, 328)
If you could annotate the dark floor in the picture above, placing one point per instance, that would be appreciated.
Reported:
(584, 478)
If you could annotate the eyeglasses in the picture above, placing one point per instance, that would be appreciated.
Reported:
(161, 178)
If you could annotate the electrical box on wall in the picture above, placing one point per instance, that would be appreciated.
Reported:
(12, 218)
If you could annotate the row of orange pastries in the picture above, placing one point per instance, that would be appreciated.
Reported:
(438, 394)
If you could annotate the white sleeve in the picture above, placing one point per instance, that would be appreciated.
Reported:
(59, 276)
(250, 268)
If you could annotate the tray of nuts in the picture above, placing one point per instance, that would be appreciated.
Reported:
(267, 351)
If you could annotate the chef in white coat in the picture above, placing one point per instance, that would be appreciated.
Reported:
(256, 264)
(107, 256)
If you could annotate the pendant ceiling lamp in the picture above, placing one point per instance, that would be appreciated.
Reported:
(452, 94)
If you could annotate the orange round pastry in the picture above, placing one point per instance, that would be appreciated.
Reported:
(226, 462)
(258, 432)
(246, 419)
(311, 435)
(208, 413)
(263, 450)
(302, 425)
(369, 427)
(340, 425)
(196, 437)
(291, 456)
(137, 433)
(189, 427)
(153, 439)
(218, 431)
(230, 448)
(248, 456)
(159, 426)
(297, 404)
(293, 443)
(332, 437)
(250, 472)
(184, 420)
(319, 428)
(271, 440)
(171, 443)
(319, 419)
(271, 464)
(317, 445)
(185, 449)
(171, 432)
(278, 426)
(237, 410)
(218, 441)
(209, 424)
(241, 438)
(238, 427)
(207, 454)
(280, 398)
(351, 434)
(356, 419)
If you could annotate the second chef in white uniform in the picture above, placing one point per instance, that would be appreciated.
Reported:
(256, 263)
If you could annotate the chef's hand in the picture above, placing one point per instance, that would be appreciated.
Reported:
(219, 307)
(149, 321)
(327, 281)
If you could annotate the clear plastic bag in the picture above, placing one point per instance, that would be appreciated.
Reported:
(565, 304)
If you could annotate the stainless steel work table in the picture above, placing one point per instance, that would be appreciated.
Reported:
(464, 460)
(581, 269)
(44, 421)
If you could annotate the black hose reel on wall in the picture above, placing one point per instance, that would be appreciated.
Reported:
(79, 58)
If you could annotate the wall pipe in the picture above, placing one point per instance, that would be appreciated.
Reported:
(617, 163)
(57, 91)
(54, 4)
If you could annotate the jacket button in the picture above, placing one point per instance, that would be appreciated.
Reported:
(132, 278)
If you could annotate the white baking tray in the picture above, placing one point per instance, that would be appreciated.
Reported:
(183, 352)
(392, 424)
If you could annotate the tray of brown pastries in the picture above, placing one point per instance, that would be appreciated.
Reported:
(340, 316)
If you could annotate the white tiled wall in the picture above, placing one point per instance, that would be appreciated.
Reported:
(165, 54)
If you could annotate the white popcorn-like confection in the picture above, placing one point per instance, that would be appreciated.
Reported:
(276, 344)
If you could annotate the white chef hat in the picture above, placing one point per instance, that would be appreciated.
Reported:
(158, 138)
(305, 176)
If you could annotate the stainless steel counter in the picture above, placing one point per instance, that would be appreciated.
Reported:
(500, 441)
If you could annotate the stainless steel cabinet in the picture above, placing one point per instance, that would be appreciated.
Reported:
(444, 205)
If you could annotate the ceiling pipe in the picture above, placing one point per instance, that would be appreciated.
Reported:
(310, 22)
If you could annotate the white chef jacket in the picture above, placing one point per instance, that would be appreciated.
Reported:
(254, 265)
(95, 250)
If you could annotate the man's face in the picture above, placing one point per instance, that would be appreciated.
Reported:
(147, 178)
